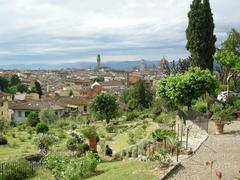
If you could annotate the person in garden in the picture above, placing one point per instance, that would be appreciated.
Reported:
(108, 151)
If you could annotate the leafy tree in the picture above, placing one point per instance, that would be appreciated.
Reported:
(33, 119)
(140, 96)
(98, 79)
(200, 34)
(15, 80)
(104, 106)
(229, 55)
(12, 89)
(38, 88)
(3, 84)
(184, 88)
(43, 141)
(22, 88)
(124, 96)
(42, 128)
(183, 65)
(48, 115)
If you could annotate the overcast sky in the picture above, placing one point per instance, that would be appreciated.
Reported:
(64, 31)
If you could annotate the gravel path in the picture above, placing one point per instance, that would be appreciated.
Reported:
(224, 150)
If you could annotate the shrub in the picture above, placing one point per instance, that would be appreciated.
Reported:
(33, 119)
(17, 169)
(73, 126)
(160, 134)
(48, 115)
(77, 136)
(131, 138)
(221, 114)
(67, 167)
(124, 153)
(110, 128)
(33, 122)
(144, 127)
(117, 157)
(142, 146)
(132, 116)
(72, 144)
(3, 140)
(168, 119)
(22, 139)
(61, 134)
(43, 141)
(63, 124)
(200, 106)
(13, 135)
(163, 157)
(134, 151)
(42, 128)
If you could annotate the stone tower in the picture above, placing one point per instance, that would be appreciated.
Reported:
(98, 61)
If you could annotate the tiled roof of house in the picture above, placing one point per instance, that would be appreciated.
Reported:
(112, 83)
(74, 100)
(33, 105)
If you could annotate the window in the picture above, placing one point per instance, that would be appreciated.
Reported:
(19, 113)
(27, 113)
(85, 108)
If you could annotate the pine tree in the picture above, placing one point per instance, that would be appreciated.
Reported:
(200, 34)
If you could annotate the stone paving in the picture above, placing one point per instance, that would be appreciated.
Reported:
(224, 150)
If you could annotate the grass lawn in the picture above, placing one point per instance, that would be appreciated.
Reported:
(18, 146)
(127, 170)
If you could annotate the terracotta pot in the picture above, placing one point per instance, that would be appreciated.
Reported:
(92, 143)
(219, 128)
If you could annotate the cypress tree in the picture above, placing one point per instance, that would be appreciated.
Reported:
(200, 34)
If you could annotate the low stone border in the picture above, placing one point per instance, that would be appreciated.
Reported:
(169, 172)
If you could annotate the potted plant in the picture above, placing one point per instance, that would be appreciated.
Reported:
(221, 115)
(235, 102)
(91, 138)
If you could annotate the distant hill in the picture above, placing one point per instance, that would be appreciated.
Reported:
(119, 65)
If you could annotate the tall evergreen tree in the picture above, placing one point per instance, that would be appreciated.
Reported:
(200, 34)
(38, 88)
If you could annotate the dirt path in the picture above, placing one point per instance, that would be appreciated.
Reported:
(224, 150)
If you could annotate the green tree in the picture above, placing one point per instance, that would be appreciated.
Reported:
(38, 88)
(33, 119)
(3, 84)
(12, 89)
(229, 55)
(104, 106)
(22, 88)
(48, 115)
(98, 79)
(15, 80)
(140, 95)
(182, 89)
(200, 34)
